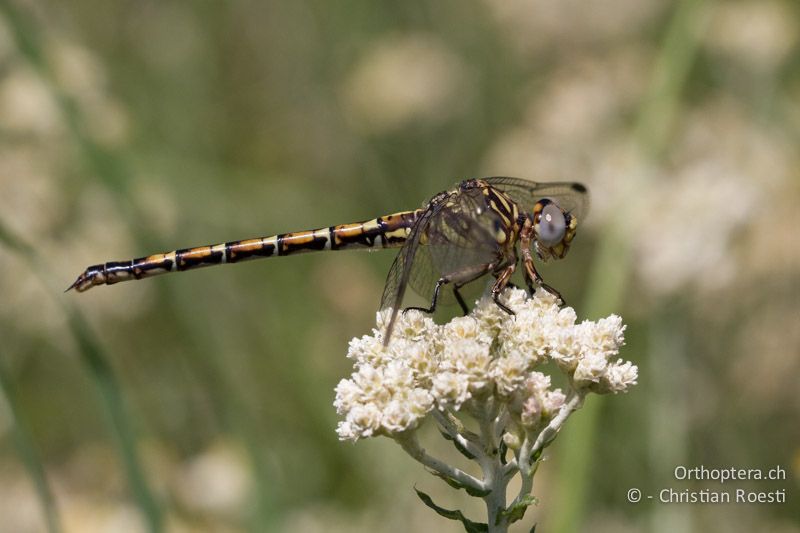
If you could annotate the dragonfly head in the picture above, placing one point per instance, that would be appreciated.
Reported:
(553, 228)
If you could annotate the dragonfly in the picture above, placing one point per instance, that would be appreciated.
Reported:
(478, 228)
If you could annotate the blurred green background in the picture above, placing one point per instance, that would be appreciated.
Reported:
(202, 402)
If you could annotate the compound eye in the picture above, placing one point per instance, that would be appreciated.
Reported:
(552, 225)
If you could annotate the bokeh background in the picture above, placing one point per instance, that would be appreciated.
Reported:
(202, 402)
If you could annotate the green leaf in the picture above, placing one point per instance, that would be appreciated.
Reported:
(458, 445)
(469, 525)
(456, 484)
(502, 451)
(517, 511)
(537, 455)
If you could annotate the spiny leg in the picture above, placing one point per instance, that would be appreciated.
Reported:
(500, 284)
(554, 292)
(458, 278)
(442, 281)
(430, 310)
(532, 278)
(460, 299)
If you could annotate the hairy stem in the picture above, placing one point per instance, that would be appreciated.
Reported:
(411, 445)
(456, 431)
(551, 430)
(496, 504)
(524, 467)
(493, 469)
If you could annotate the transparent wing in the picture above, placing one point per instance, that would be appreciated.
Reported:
(570, 196)
(400, 272)
(461, 236)
(457, 231)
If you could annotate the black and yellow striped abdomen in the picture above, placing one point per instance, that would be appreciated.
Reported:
(388, 231)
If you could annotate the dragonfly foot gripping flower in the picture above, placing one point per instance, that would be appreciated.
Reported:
(479, 379)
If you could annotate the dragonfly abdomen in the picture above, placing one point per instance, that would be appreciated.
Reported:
(389, 231)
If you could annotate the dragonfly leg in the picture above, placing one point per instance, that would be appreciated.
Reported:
(467, 275)
(458, 278)
(529, 283)
(430, 310)
(551, 290)
(534, 281)
(532, 278)
(502, 280)
(460, 299)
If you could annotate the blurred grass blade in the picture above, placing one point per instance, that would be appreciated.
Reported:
(669, 412)
(612, 263)
(102, 375)
(23, 442)
(110, 169)
(95, 360)
(677, 57)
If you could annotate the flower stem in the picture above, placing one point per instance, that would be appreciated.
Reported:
(493, 470)
(464, 438)
(411, 445)
(551, 430)
(496, 504)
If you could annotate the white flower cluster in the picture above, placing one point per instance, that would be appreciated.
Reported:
(488, 353)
